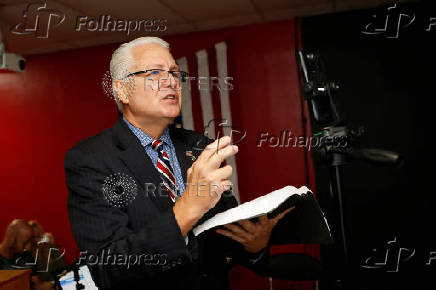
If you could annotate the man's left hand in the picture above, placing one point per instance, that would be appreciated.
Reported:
(253, 236)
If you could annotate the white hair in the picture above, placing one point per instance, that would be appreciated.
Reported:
(122, 60)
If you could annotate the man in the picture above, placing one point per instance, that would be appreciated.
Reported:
(49, 259)
(18, 240)
(18, 251)
(136, 190)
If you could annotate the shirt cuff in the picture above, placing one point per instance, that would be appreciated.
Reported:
(254, 260)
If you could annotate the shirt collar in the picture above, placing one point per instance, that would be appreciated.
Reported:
(146, 139)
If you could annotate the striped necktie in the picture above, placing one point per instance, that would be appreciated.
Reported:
(165, 170)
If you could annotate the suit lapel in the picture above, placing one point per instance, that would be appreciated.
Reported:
(134, 157)
(182, 148)
(185, 153)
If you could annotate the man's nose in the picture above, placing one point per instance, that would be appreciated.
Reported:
(168, 81)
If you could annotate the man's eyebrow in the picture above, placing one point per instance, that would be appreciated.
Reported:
(156, 65)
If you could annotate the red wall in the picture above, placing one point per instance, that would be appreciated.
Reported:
(59, 100)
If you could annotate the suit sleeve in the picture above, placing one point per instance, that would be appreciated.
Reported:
(257, 262)
(101, 229)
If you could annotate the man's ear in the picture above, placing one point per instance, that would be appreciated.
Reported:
(122, 91)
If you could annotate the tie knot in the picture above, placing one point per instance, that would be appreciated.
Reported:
(156, 144)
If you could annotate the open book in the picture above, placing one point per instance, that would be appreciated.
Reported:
(304, 224)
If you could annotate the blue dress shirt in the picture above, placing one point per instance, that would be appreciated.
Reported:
(168, 147)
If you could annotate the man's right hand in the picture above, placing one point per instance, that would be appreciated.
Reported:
(206, 181)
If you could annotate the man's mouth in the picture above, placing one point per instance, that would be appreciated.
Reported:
(170, 97)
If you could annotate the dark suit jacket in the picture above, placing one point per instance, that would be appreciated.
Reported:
(108, 235)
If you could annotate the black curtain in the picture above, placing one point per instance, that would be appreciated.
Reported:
(387, 84)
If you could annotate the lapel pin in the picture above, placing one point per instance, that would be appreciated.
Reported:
(189, 154)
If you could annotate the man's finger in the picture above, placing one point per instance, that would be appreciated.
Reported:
(218, 157)
(218, 188)
(221, 173)
(226, 185)
(230, 235)
(248, 226)
(219, 143)
(281, 215)
(211, 149)
(238, 231)
(263, 220)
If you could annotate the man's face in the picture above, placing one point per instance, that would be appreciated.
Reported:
(24, 240)
(150, 98)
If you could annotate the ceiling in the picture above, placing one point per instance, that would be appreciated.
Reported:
(175, 16)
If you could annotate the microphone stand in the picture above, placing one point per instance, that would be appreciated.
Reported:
(75, 267)
(336, 147)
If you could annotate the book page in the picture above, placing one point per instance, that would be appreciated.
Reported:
(256, 207)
